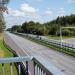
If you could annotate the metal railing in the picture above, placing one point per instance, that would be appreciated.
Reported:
(51, 41)
(66, 47)
(40, 66)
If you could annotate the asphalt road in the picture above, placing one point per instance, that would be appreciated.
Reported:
(25, 47)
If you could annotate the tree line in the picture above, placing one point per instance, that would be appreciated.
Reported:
(49, 28)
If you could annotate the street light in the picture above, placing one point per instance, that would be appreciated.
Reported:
(61, 33)
(61, 36)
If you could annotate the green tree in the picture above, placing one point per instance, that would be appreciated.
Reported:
(2, 22)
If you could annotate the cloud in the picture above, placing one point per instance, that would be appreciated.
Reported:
(17, 17)
(71, 1)
(28, 9)
(24, 13)
(48, 12)
(15, 13)
(61, 12)
(18, 13)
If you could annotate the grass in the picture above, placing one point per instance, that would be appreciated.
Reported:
(1, 53)
(4, 53)
(58, 37)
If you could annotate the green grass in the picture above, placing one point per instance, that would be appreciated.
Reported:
(8, 54)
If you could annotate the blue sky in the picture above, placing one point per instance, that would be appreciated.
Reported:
(37, 10)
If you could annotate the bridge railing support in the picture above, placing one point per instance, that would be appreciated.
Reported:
(41, 66)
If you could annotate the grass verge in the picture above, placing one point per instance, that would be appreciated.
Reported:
(4, 53)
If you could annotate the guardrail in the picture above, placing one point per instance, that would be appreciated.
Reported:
(66, 47)
(41, 66)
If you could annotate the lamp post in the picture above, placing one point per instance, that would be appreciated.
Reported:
(61, 32)
(44, 29)
(61, 36)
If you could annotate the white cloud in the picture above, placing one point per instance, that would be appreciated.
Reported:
(18, 13)
(25, 13)
(71, 1)
(61, 12)
(15, 13)
(28, 9)
(48, 12)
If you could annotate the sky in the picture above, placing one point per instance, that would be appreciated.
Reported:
(37, 10)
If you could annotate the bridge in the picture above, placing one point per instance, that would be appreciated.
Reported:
(48, 61)
(41, 67)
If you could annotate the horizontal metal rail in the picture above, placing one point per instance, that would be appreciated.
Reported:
(52, 41)
(16, 59)
(66, 47)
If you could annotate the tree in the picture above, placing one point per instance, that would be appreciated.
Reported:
(14, 28)
(2, 22)
(24, 27)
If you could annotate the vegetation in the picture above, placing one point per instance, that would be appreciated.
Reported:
(2, 22)
(49, 28)
(4, 52)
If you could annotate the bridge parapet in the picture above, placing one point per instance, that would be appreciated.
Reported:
(41, 66)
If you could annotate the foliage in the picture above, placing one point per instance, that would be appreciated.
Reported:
(49, 28)
(6, 53)
(2, 22)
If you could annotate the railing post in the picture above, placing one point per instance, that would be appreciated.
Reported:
(42, 72)
(11, 69)
(2, 69)
(27, 73)
(19, 69)
(34, 68)
(38, 70)
(45, 73)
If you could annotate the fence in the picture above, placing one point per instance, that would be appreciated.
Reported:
(41, 67)
(51, 41)
(66, 47)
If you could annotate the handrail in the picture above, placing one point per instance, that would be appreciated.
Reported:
(46, 66)
(15, 59)
(43, 65)
(66, 47)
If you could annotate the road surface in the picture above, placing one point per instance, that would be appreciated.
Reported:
(24, 47)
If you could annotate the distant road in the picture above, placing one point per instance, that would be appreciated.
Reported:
(25, 47)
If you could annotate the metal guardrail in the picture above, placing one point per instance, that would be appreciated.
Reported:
(52, 42)
(66, 48)
(18, 61)
(41, 66)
